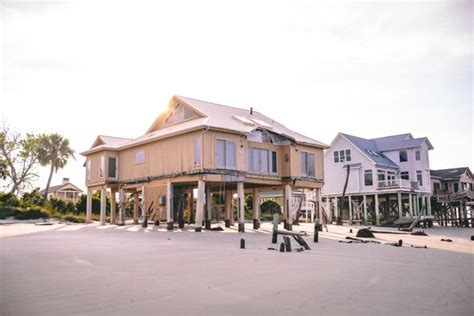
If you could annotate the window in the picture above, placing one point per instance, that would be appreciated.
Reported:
(112, 172)
(342, 157)
(102, 166)
(88, 169)
(307, 164)
(403, 156)
(140, 156)
(261, 161)
(436, 187)
(197, 150)
(336, 156)
(368, 178)
(179, 114)
(456, 187)
(405, 175)
(381, 175)
(225, 154)
(419, 177)
(348, 155)
(417, 155)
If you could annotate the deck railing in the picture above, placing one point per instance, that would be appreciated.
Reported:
(396, 183)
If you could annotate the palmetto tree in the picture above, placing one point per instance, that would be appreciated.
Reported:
(53, 150)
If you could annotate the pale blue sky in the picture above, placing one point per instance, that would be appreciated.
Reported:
(367, 68)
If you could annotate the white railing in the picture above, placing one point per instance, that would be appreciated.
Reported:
(397, 183)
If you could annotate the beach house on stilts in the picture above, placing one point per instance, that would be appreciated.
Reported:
(196, 163)
(388, 179)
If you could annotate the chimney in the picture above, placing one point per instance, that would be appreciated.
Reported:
(65, 180)
(251, 111)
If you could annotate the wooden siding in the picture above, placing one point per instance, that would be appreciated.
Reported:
(295, 160)
(210, 138)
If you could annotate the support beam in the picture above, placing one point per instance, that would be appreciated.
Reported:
(328, 209)
(288, 194)
(377, 220)
(122, 207)
(365, 209)
(103, 205)
(113, 212)
(89, 206)
(169, 206)
(400, 205)
(336, 208)
(228, 208)
(201, 196)
(320, 206)
(208, 208)
(256, 209)
(410, 201)
(429, 205)
(135, 208)
(423, 204)
(350, 208)
(417, 204)
(241, 199)
(143, 204)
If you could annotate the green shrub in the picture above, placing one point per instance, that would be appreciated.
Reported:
(9, 199)
(57, 205)
(74, 218)
(7, 211)
(31, 213)
(32, 198)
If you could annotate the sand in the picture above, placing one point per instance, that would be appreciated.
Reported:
(89, 269)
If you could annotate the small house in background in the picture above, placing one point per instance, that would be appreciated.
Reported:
(66, 191)
(196, 148)
(389, 178)
(454, 192)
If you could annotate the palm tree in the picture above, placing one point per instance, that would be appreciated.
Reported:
(53, 150)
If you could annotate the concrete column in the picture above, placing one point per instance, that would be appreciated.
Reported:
(169, 206)
(113, 211)
(287, 198)
(241, 199)
(89, 206)
(228, 208)
(365, 209)
(429, 205)
(410, 200)
(201, 196)
(256, 209)
(103, 205)
(400, 205)
(377, 221)
(208, 208)
(135, 207)
(350, 208)
(122, 207)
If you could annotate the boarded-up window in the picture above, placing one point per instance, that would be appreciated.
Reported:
(139, 156)
(197, 150)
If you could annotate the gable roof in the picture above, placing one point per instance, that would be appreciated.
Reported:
(55, 188)
(103, 141)
(369, 148)
(402, 141)
(214, 116)
(451, 173)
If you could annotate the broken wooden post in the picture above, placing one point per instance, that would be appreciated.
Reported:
(287, 241)
(275, 228)
(282, 247)
(242, 243)
(316, 231)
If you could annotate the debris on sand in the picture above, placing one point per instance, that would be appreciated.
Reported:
(419, 233)
(447, 240)
(397, 244)
(423, 247)
(352, 239)
(365, 233)
(472, 237)
(217, 229)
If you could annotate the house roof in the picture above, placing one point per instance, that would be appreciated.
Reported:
(451, 173)
(369, 148)
(214, 116)
(402, 141)
(55, 188)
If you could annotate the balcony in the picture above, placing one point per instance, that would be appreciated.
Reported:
(396, 184)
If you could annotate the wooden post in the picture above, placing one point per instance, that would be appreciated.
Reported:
(256, 209)
(276, 217)
(316, 231)
(208, 207)
(350, 208)
(228, 207)
(429, 205)
(400, 205)
(89, 206)
(417, 204)
(287, 199)
(410, 201)
(190, 206)
(135, 207)
(169, 206)
(377, 220)
(365, 209)
(336, 208)
(113, 213)
(320, 205)
(200, 205)
(143, 204)
(241, 199)
(103, 205)
(122, 207)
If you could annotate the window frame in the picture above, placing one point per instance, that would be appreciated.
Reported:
(366, 173)
(403, 173)
(420, 178)
(197, 150)
(336, 156)
(108, 167)
(304, 167)
(225, 154)
(418, 155)
(88, 169)
(400, 155)
(140, 161)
